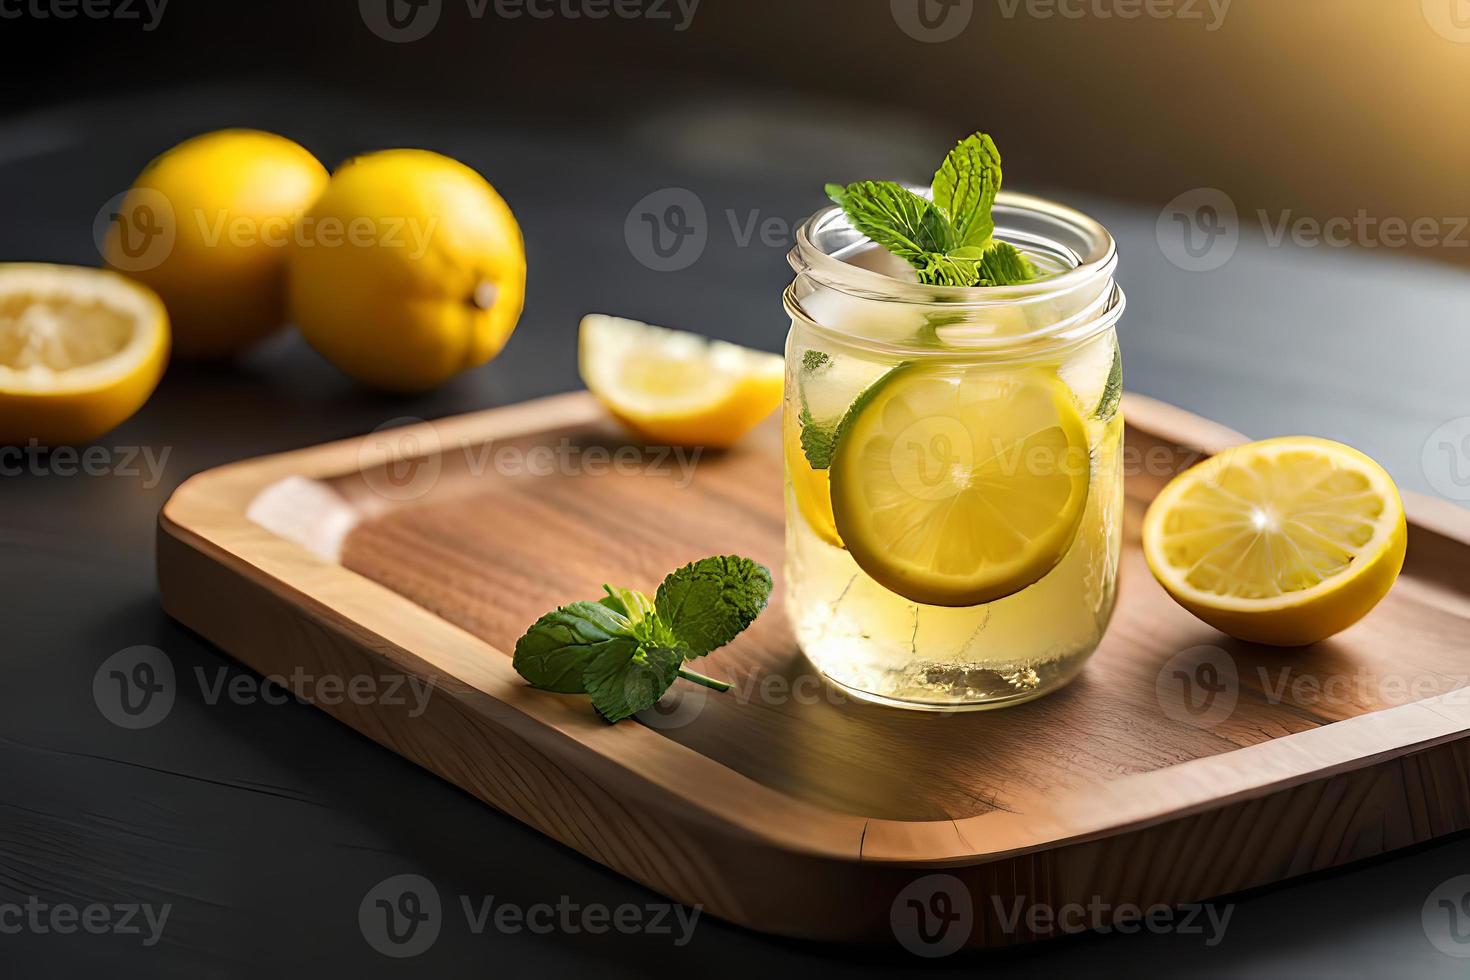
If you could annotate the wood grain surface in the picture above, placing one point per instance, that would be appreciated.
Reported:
(428, 551)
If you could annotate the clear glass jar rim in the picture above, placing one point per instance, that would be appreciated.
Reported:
(1072, 332)
(1101, 261)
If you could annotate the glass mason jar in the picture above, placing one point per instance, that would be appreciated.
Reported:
(954, 498)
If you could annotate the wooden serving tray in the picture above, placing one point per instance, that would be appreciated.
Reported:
(1180, 765)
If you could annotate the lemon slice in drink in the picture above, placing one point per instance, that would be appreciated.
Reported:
(954, 487)
(679, 388)
(1285, 541)
(80, 351)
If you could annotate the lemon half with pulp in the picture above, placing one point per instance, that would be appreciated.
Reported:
(954, 488)
(1284, 541)
(80, 351)
(673, 387)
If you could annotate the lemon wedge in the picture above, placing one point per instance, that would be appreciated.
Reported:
(80, 351)
(956, 487)
(677, 388)
(1285, 541)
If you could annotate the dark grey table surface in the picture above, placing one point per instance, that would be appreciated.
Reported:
(262, 826)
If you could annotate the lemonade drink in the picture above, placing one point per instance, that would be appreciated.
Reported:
(954, 493)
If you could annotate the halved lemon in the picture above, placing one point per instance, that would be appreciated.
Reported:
(1285, 541)
(956, 487)
(80, 351)
(678, 388)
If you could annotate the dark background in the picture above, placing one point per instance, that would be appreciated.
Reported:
(265, 825)
(1321, 106)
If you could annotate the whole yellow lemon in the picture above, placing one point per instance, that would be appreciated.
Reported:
(411, 269)
(207, 226)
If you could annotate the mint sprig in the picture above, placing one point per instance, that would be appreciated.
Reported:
(626, 650)
(948, 240)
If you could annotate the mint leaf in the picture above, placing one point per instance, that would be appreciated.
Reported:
(817, 441)
(554, 653)
(814, 362)
(901, 221)
(965, 187)
(626, 680)
(1112, 397)
(708, 603)
(1004, 265)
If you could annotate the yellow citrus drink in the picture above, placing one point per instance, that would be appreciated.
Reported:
(954, 489)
